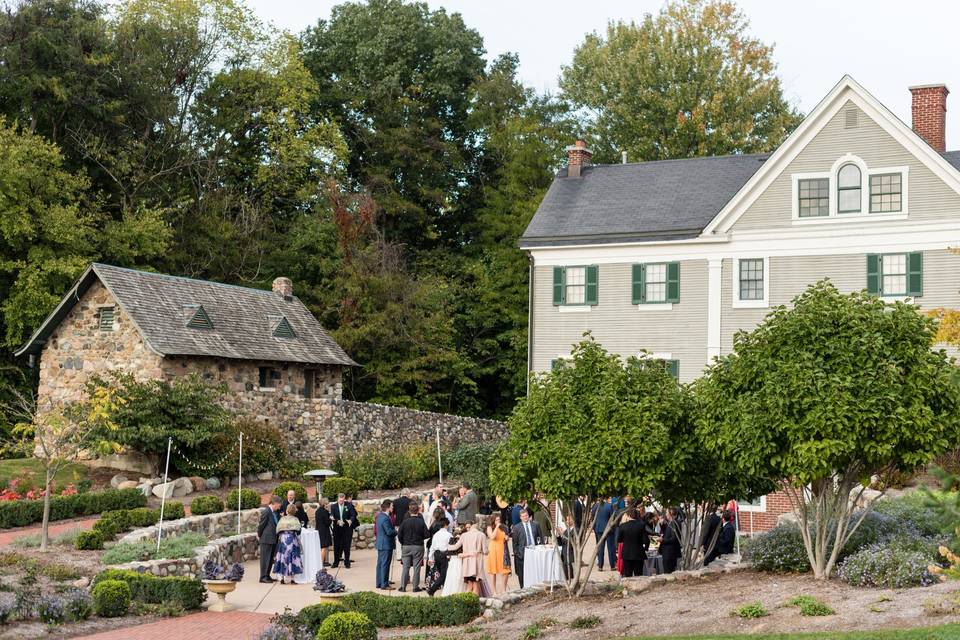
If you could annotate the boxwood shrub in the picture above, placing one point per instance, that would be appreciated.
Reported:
(173, 510)
(250, 499)
(111, 598)
(203, 505)
(344, 485)
(312, 616)
(190, 593)
(143, 517)
(408, 611)
(282, 488)
(89, 541)
(20, 513)
(348, 625)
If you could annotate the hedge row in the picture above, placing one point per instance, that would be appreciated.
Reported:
(398, 611)
(20, 513)
(190, 593)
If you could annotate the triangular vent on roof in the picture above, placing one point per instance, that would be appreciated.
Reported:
(199, 319)
(283, 329)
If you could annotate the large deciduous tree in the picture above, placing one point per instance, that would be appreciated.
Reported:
(690, 81)
(825, 394)
(595, 426)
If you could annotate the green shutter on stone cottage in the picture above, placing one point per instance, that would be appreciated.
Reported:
(592, 285)
(673, 368)
(638, 286)
(915, 274)
(559, 279)
(873, 273)
(673, 282)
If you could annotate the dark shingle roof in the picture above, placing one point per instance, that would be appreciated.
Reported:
(243, 319)
(953, 157)
(663, 199)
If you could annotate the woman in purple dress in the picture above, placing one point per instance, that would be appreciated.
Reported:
(289, 557)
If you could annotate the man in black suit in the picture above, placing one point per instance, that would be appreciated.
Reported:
(343, 516)
(524, 534)
(710, 529)
(633, 534)
(267, 534)
(579, 508)
(728, 534)
(402, 505)
(292, 500)
(670, 542)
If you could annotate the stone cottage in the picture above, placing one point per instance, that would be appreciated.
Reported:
(277, 363)
(259, 344)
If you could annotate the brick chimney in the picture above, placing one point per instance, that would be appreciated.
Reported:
(929, 107)
(577, 156)
(283, 287)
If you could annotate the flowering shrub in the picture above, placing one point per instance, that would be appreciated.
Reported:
(78, 604)
(10, 492)
(894, 564)
(7, 608)
(876, 527)
(780, 550)
(50, 610)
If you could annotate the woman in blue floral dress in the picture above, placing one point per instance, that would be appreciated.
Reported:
(289, 558)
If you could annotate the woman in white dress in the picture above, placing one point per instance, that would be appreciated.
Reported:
(454, 582)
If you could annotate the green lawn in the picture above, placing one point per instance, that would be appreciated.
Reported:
(33, 468)
(946, 632)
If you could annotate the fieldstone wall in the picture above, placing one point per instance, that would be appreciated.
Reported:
(224, 551)
(322, 430)
(78, 349)
(213, 525)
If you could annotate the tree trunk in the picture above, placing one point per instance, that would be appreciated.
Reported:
(45, 527)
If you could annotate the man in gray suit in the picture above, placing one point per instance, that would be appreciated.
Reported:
(267, 534)
(526, 533)
(468, 505)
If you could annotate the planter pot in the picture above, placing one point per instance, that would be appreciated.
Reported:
(221, 588)
(331, 598)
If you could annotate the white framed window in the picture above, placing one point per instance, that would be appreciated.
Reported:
(751, 282)
(758, 505)
(576, 285)
(656, 283)
(894, 274)
(850, 191)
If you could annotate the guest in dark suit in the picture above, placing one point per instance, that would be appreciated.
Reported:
(579, 508)
(322, 520)
(632, 533)
(523, 534)
(710, 529)
(386, 540)
(292, 500)
(343, 515)
(267, 535)
(602, 513)
(728, 534)
(468, 505)
(670, 543)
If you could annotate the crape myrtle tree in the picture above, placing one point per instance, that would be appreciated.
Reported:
(594, 426)
(824, 395)
(697, 484)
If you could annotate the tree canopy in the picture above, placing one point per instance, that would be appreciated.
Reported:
(689, 81)
(825, 394)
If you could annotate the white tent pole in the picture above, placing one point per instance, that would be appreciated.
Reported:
(439, 462)
(163, 494)
(240, 485)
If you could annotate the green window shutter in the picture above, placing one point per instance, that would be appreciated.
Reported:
(592, 287)
(673, 282)
(639, 284)
(553, 365)
(559, 279)
(873, 273)
(915, 274)
(673, 367)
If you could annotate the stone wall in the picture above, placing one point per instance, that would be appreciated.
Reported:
(224, 551)
(214, 525)
(324, 429)
(77, 350)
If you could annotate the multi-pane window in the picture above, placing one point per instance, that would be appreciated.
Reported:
(894, 270)
(656, 283)
(105, 318)
(576, 285)
(814, 197)
(751, 279)
(848, 189)
(886, 193)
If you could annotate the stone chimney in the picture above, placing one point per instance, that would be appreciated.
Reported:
(929, 107)
(283, 287)
(577, 156)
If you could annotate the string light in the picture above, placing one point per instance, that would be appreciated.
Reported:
(218, 464)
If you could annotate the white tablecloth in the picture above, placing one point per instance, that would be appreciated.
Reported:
(537, 562)
(310, 543)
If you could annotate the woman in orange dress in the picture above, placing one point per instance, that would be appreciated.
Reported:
(498, 561)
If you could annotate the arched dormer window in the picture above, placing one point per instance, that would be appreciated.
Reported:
(849, 189)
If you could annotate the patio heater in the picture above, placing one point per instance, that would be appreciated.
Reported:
(319, 476)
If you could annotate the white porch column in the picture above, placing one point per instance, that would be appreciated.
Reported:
(714, 297)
